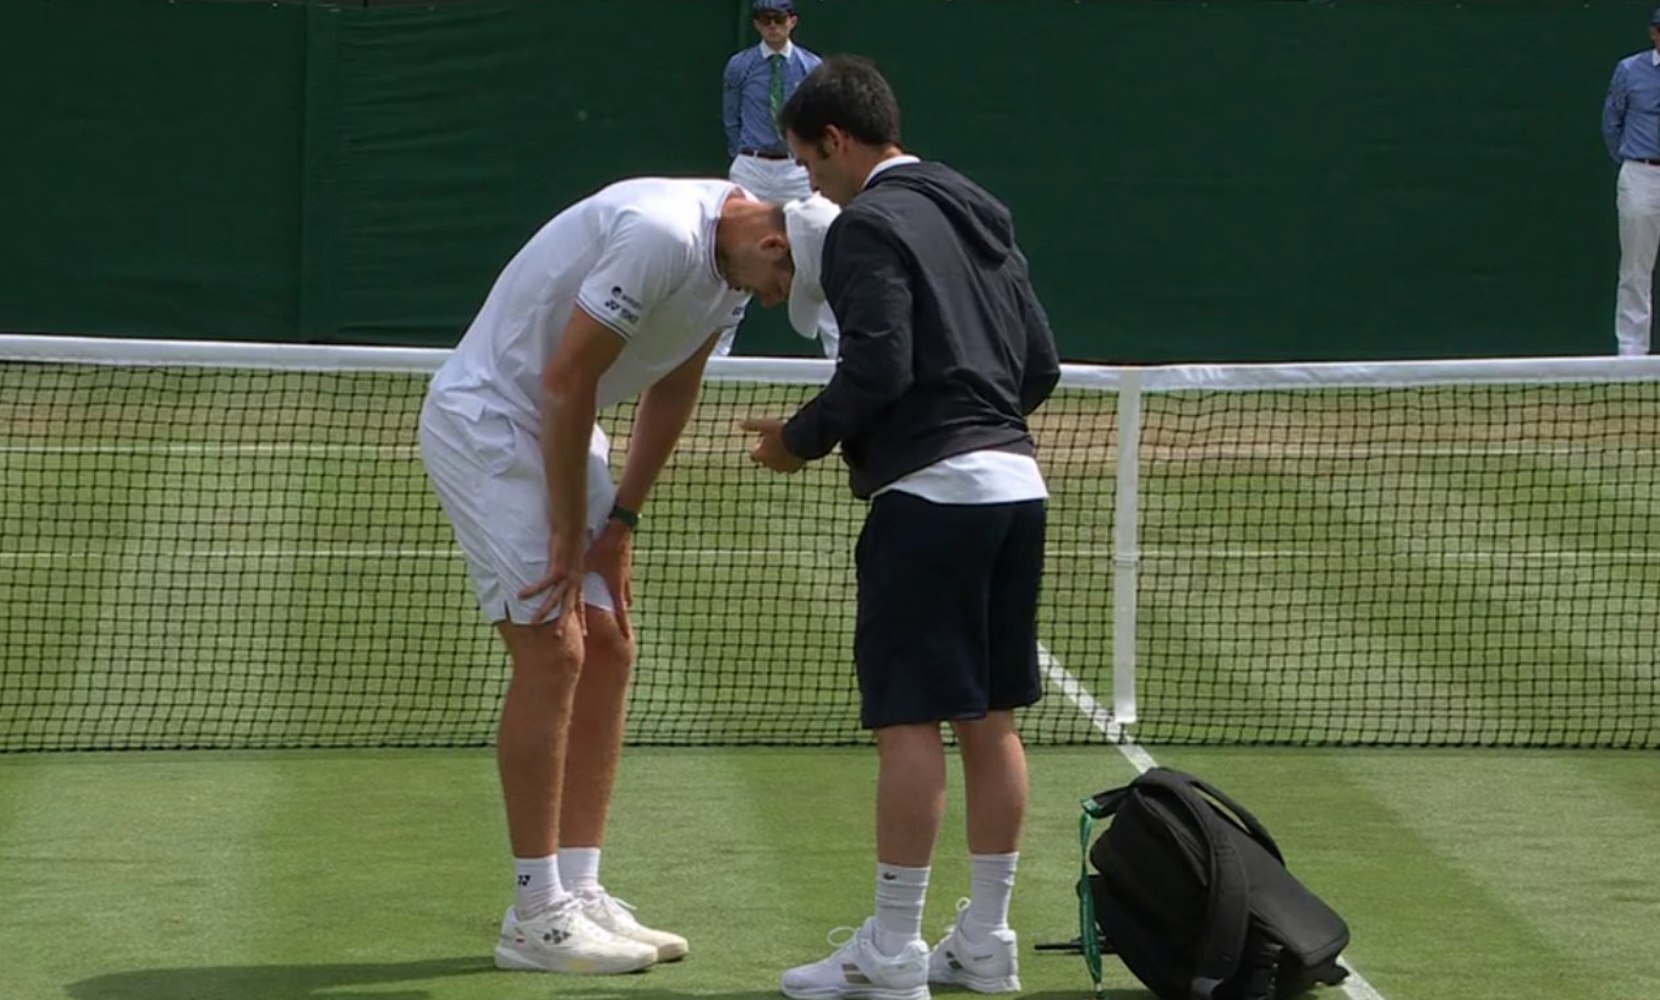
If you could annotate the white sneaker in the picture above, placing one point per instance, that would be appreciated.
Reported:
(614, 915)
(563, 940)
(991, 965)
(857, 971)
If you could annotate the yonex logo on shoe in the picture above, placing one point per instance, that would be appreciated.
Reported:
(556, 936)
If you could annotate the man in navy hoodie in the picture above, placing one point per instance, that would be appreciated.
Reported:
(945, 351)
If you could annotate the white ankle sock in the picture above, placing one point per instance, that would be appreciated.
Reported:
(579, 869)
(535, 885)
(900, 893)
(991, 884)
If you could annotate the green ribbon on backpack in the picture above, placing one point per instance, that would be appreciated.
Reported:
(1089, 937)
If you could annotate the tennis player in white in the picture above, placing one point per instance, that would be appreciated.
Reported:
(622, 295)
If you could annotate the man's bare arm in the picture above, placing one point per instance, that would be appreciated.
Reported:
(663, 413)
(569, 403)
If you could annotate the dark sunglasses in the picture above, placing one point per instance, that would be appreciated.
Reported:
(772, 17)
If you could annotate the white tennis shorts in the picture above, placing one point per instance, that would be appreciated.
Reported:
(487, 472)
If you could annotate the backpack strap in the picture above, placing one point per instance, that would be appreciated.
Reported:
(1227, 914)
(1098, 806)
(1258, 832)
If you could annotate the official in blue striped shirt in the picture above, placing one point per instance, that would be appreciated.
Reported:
(1631, 130)
(758, 82)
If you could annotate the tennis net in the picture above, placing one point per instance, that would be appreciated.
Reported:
(233, 545)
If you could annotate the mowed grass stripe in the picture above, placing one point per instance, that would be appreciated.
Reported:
(377, 871)
(147, 855)
(1557, 841)
(361, 842)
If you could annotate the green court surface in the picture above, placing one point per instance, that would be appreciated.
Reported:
(242, 581)
(1465, 875)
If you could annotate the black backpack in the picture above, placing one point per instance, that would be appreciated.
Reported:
(1192, 894)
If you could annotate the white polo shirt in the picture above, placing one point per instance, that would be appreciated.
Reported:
(639, 256)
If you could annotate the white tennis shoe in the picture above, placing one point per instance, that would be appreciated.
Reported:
(988, 966)
(563, 940)
(857, 971)
(616, 916)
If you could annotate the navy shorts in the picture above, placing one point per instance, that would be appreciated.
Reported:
(948, 594)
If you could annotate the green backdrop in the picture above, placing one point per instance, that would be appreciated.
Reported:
(1258, 179)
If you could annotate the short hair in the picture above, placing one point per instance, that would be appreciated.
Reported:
(849, 93)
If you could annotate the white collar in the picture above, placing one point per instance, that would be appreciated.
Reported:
(787, 51)
(896, 161)
(1654, 57)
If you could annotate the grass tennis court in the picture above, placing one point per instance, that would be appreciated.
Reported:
(252, 560)
(1465, 875)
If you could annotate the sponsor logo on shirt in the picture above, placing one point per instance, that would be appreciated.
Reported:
(623, 305)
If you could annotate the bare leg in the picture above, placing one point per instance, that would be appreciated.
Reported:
(531, 737)
(910, 793)
(596, 732)
(994, 773)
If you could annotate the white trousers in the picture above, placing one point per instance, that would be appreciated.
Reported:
(776, 181)
(1638, 202)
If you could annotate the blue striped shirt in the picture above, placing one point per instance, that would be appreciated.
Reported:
(747, 98)
(1631, 115)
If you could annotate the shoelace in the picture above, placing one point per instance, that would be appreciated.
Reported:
(840, 937)
(962, 904)
(621, 908)
(569, 909)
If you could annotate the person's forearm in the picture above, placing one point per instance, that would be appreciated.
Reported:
(847, 405)
(567, 429)
(658, 422)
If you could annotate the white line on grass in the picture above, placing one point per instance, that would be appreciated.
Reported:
(215, 448)
(787, 552)
(1170, 453)
(1292, 450)
(1474, 555)
(1355, 986)
(91, 555)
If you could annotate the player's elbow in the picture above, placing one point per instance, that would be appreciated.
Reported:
(563, 388)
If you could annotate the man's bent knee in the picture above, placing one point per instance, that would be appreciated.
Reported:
(542, 651)
(608, 649)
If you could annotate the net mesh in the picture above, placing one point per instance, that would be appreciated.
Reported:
(223, 557)
(228, 555)
(1464, 564)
